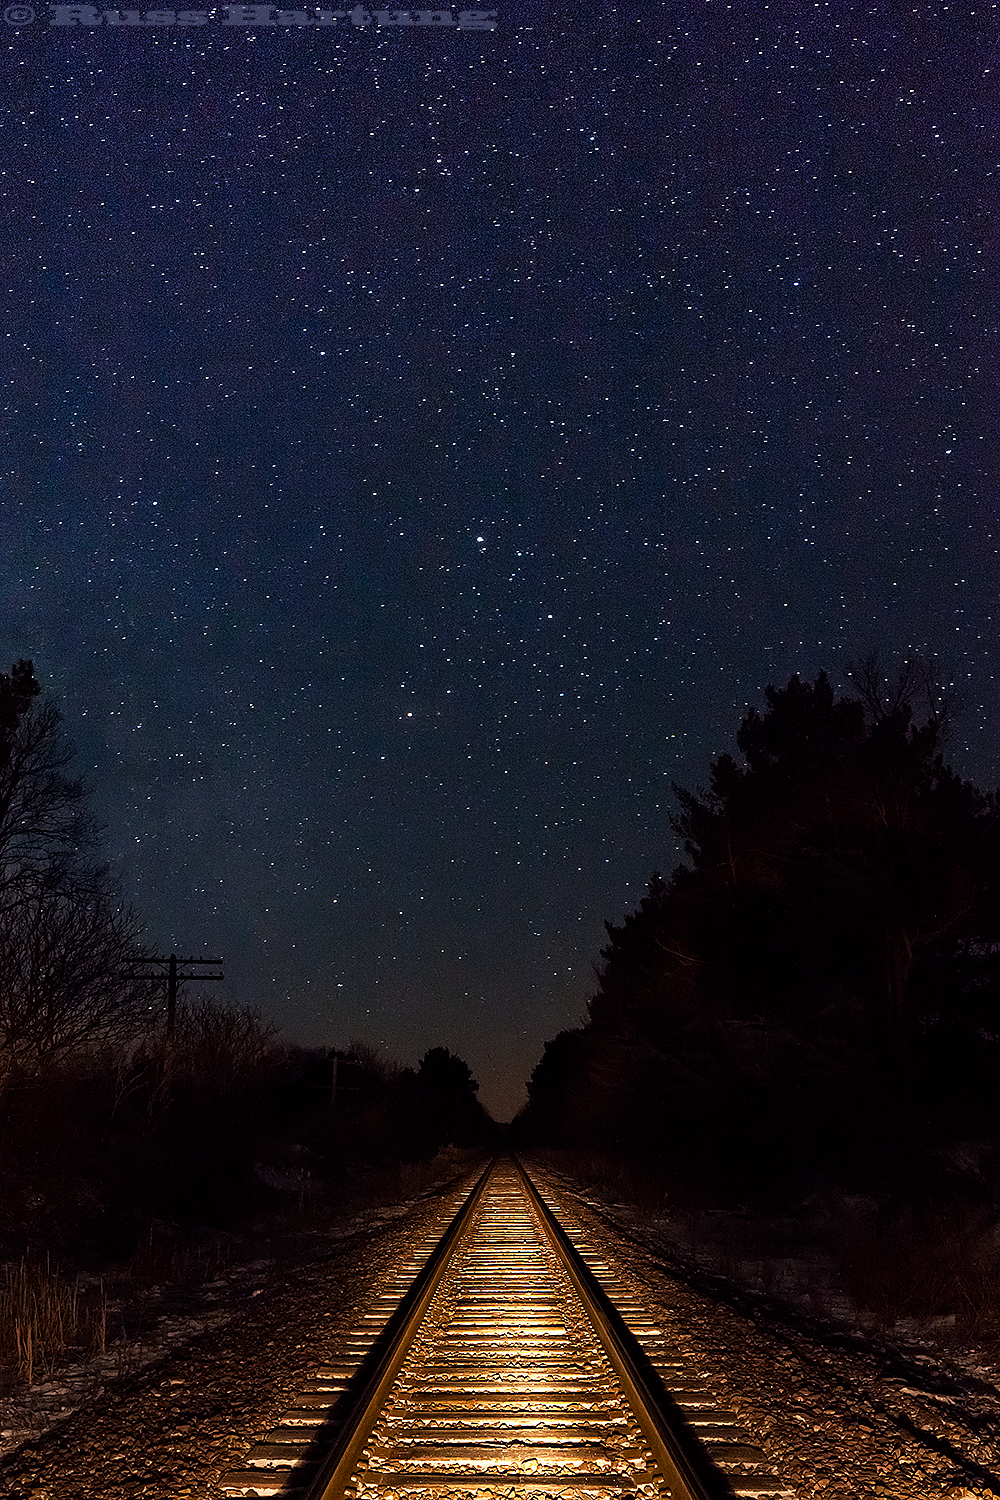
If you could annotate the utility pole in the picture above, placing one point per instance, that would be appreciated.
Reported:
(174, 977)
(168, 969)
(337, 1086)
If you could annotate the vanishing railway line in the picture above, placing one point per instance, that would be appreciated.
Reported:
(511, 1368)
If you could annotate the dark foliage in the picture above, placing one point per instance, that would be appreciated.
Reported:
(814, 995)
(98, 1145)
(220, 1128)
(372, 1113)
(108, 1126)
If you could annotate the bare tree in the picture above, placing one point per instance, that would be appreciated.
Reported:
(915, 686)
(67, 978)
(67, 944)
(222, 1043)
(46, 836)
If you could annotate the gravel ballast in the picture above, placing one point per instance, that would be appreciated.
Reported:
(840, 1415)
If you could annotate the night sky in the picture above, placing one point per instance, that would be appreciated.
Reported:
(422, 443)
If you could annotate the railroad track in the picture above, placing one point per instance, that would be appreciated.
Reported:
(513, 1366)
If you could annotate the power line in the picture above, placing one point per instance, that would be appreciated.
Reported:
(174, 977)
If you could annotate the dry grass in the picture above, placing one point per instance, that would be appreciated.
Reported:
(939, 1268)
(42, 1316)
(168, 1261)
(641, 1186)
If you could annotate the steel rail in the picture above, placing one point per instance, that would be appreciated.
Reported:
(390, 1353)
(649, 1405)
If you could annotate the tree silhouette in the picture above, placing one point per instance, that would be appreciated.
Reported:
(845, 839)
(67, 943)
(823, 969)
(45, 834)
(447, 1091)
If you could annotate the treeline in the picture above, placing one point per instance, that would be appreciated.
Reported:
(813, 997)
(225, 1127)
(108, 1125)
(356, 1112)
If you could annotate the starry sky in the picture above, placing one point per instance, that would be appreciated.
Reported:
(421, 443)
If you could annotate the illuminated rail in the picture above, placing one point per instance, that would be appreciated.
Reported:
(506, 1373)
